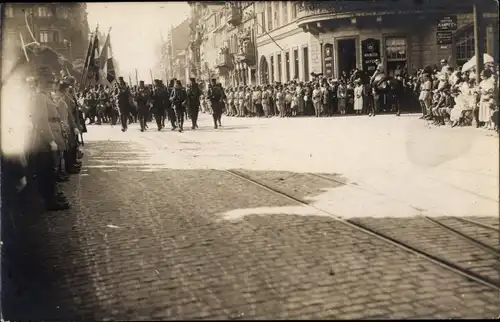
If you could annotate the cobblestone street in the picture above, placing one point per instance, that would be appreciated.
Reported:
(159, 229)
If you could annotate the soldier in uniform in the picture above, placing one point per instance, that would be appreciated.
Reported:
(47, 140)
(142, 98)
(72, 165)
(170, 107)
(193, 102)
(123, 97)
(215, 97)
(178, 98)
(159, 103)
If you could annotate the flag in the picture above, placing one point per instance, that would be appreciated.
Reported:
(93, 63)
(110, 70)
(83, 79)
(104, 53)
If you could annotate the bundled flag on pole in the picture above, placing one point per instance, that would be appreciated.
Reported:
(106, 65)
(93, 69)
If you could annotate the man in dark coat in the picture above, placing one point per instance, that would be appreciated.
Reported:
(142, 97)
(178, 99)
(170, 107)
(193, 102)
(123, 97)
(45, 119)
(215, 96)
(159, 102)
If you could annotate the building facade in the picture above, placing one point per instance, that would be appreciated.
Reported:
(61, 26)
(297, 38)
(176, 54)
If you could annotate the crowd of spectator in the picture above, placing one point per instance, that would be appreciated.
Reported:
(444, 96)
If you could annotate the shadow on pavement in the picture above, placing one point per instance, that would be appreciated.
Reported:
(37, 250)
(148, 245)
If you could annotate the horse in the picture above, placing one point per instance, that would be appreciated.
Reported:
(390, 90)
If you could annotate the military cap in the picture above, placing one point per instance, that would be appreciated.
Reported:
(192, 79)
(120, 79)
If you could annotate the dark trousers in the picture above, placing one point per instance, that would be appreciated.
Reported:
(46, 176)
(159, 114)
(194, 110)
(179, 115)
(217, 112)
(124, 117)
(171, 116)
(142, 114)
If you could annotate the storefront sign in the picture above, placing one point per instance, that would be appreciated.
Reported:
(444, 38)
(328, 59)
(447, 23)
(370, 53)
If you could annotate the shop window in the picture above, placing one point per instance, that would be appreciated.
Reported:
(56, 36)
(9, 11)
(305, 54)
(296, 63)
(464, 46)
(44, 36)
(271, 60)
(279, 68)
(396, 51)
(44, 12)
(287, 66)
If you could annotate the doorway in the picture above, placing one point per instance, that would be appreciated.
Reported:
(346, 55)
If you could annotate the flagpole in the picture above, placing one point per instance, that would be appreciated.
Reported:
(83, 79)
(91, 53)
(136, 79)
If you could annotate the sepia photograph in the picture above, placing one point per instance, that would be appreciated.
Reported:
(250, 160)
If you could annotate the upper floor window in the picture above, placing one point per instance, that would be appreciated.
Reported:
(269, 17)
(285, 12)
(276, 15)
(294, 11)
(43, 12)
(9, 12)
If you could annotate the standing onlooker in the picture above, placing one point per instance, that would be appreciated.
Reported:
(487, 100)
(425, 97)
(358, 96)
(316, 96)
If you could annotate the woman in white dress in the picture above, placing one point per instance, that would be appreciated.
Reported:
(358, 96)
(463, 101)
(487, 102)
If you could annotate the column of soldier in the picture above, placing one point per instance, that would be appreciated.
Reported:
(125, 104)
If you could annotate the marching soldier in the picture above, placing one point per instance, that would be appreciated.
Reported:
(159, 102)
(170, 107)
(215, 97)
(193, 102)
(123, 97)
(142, 98)
(178, 99)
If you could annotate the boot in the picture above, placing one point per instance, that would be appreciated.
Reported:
(62, 177)
(56, 204)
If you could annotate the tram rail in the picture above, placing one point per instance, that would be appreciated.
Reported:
(437, 260)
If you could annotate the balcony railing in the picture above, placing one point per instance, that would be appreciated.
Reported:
(224, 62)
